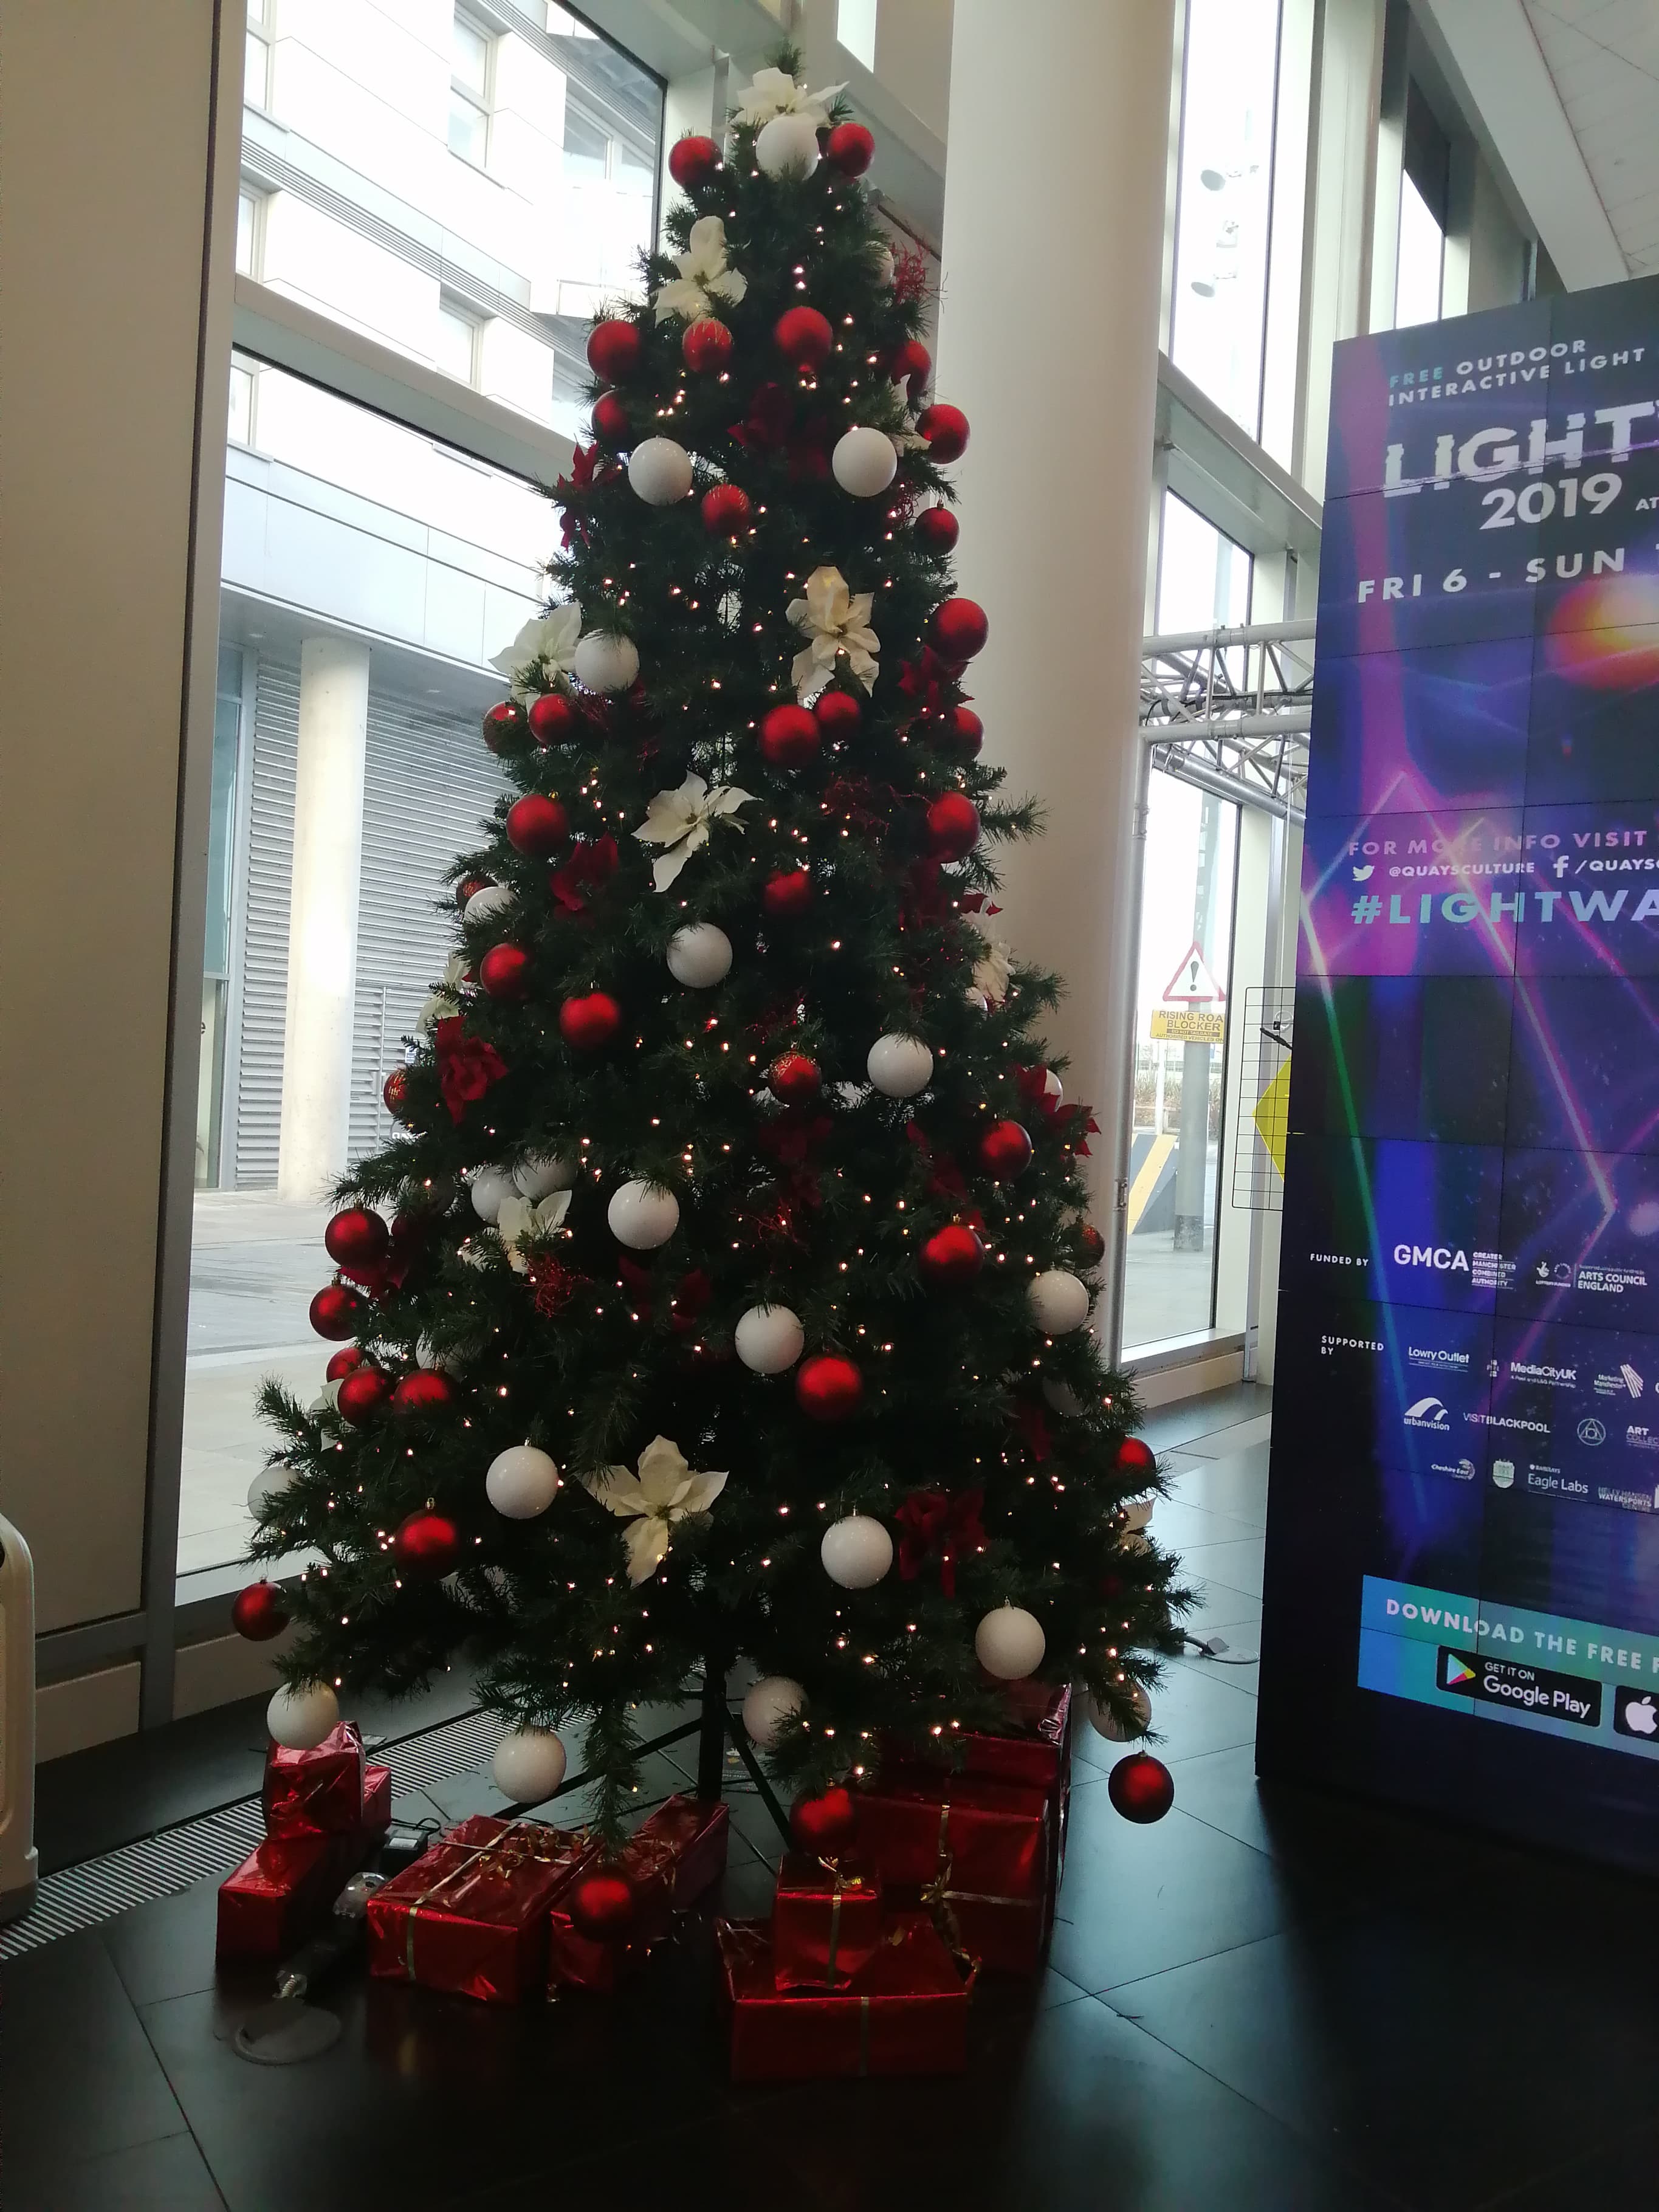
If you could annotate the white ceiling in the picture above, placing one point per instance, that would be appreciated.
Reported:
(1603, 57)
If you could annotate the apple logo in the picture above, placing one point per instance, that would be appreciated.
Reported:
(1640, 1717)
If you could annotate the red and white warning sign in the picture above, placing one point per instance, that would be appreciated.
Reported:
(1191, 984)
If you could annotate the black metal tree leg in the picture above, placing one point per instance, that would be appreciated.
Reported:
(711, 1735)
(745, 1753)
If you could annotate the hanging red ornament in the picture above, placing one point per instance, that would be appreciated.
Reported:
(504, 726)
(611, 424)
(937, 529)
(258, 1611)
(552, 719)
(504, 971)
(1141, 1788)
(707, 346)
(822, 1824)
(614, 348)
(951, 1256)
(945, 429)
(343, 1361)
(586, 1024)
(394, 1092)
(336, 1312)
(356, 1238)
(1005, 1150)
(794, 1078)
(828, 1386)
(839, 713)
(362, 1393)
(1090, 1244)
(1135, 1456)
(959, 628)
(963, 732)
(912, 360)
(804, 337)
(788, 894)
(726, 510)
(789, 737)
(426, 1545)
(851, 149)
(952, 826)
(424, 1391)
(603, 1906)
(692, 161)
(536, 825)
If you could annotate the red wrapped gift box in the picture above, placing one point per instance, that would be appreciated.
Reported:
(319, 1792)
(671, 1858)
(1035, 1751)
(471, 1915)
(906, 2013)
(284, 1891)
(826, 1921)
(981, 1854)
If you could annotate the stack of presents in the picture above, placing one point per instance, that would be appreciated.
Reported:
(864, 1965)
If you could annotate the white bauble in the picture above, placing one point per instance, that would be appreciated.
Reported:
(856, 1552)
(487, 1190)
(863, 462)
(326, 1402)
(787, 147)
(769, 1338)
(485, 905)
(539, 1173)
(977, 1000)
(529, 1764)
(1060, 1302)
(1105, 1723)
(899, 1066)
(1138, 1513)
(886, 267)
(299, 1719)
(768, 1705)
(1010, 1643)
(1052, 1086)
(441, 1363)
(643, 1215)
(659, 470)
(605, 662)
(699, 956)
(521, 1483)
(267, 1487)
(1062, 1398)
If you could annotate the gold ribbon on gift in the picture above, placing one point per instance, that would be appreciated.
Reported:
(939, 1897)
(518, 1833)
(841, 1881)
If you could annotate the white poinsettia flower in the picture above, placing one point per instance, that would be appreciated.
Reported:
(705, 277)
(662, 1493)
(834, 621)
(992, 969)
(680, 820)
(541, 652)
(521, 1222)
(445, 1000)
(774, 92)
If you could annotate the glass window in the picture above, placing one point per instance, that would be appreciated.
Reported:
(469, 58)
(256, 71)
(856, 29)
(469, 129)
(587, 147)
(1203, 577)
(458, 344)
(242, 388)
(1225, 206)
(247, 233)
(1422, 260)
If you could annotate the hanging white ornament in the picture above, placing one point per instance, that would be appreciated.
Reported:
(1052, 1086)
(699, 956)
(605, 662)
(327, 1400)
(769, 1338)
(899, 1066)
(1105, 1721)
(856, 1550)
(1062, 1398)
(863, 462)
(660, 471)
(489, 1186)
(653, 1501)
(886, 268)
(267, 1487)
(787, 146)
(521, 1482)
(1010, 1643)
(485, 905)
(529, 1764)
(540, 1173)
(300, 1718)
(1059, 1302)
(441, 1363)
(643, 1215)
(772, 1700)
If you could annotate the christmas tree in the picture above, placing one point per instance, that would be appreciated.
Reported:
(723, 1298)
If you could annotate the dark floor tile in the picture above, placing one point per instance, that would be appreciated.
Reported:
(1179, 1521)
(1234, 1566)
(1237, 1673)
(168, 2176)
(165, 1949)
(1234, 1484)
(1192, 1714)
(1168, 1427)
(1219, 1607)
(1623, 2177)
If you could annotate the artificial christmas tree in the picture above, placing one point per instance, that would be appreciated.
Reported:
(735, 1226)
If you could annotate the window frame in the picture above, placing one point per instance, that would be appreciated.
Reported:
(481, 99)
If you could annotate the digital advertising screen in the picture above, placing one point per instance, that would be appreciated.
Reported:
(1462, 1598)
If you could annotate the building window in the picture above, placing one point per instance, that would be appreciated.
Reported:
(243, 387)
(856, 29)
(587, 147)
(1203, 577)
(457, 343)
(1425, 193)
(248, 213)
(256, 63)
(469, 91)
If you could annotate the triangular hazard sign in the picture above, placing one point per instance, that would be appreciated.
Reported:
(1191, 984)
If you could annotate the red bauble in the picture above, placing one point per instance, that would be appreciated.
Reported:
(952, 1255)
(1090, 1244)
(726, 510)
(336, 1312)
(839, 713)
(343, 1361)
(790, 893)
(959, 628)
(395, 1092)
(603, 1906)
(362, 1393)
(426, 1544)
(692, 161)
(611, 424)
(823, 1824)
(536, 825)
(828, 1386)
(552, 719)
(356, 1238)
(912, 359)
(804, 337)
(1136, 1456)
(960, 732)
(424, 1391)
(504, 971)
(259, 1612)
(504, 726)
(613, 350)
(937, 529)
(789, 737)
(707, 346)
(586, 1024)
(952, 826)
(851, 149)
(1005, 1150)
(1141, 1788)
(945, 429)
(794, 1078)
(469, 887)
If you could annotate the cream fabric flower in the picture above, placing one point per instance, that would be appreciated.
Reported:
(520, 1222)
(835, 622)
(774, 92)
(663, 1492)
(705, 276)
(993, 969)
(680, 819)
(542, 652)
(445, 1000)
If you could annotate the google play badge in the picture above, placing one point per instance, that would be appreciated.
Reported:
(1457, 1673)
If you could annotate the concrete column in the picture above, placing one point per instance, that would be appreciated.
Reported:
(322, 928)
(1048, 319)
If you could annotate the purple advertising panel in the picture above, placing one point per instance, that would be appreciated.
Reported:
(1462, 1599)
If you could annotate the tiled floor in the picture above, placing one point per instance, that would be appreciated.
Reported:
(1269, 2003)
